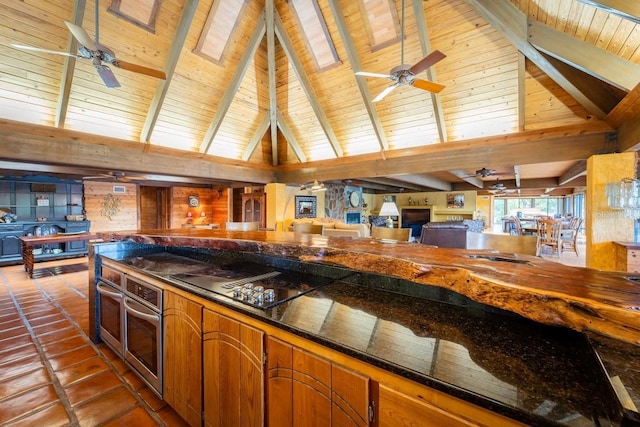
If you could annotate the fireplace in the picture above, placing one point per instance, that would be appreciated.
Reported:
(352, 217)
(414, 219)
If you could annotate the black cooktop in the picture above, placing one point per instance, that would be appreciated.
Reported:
(251, 286)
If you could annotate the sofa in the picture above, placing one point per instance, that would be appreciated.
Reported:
(458, 235)
(329, 227)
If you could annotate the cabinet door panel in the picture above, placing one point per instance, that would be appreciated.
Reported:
(279, 383)
(350, 397)
(183, 357)
(233, 372)
(311, 390)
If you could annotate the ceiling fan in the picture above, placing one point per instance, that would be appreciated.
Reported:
(482, 173)
(116, 176)
(97, 53)
(499, 189)
(404, 74)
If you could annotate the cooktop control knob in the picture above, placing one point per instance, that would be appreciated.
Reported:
(258, 289)
(269, 295)
(247, 293)
(237, 292)
(248, 285)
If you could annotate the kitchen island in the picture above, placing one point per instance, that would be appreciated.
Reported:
(428, 302)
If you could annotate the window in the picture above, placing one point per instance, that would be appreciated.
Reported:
(315, 31)
(381, 22)
(139, 12)
(222, 20)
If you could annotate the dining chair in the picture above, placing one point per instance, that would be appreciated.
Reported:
(399, 234)
(242, 226)
(517, 227)
(569, 236)
(548, 231)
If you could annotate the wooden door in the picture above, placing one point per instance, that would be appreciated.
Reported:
(154, 207)
(254, 208)
(233, 372)
(183, 357)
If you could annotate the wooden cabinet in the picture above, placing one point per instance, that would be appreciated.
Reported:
(254, 208)
(233, 355)
(10, 240)
(628, 257)
(183, 357)
(305, 389)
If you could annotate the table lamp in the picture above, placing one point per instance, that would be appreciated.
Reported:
(389, 209)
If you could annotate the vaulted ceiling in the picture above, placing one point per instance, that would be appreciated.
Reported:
(532, 89)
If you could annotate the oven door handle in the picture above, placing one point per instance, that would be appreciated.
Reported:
(154, 318)
(102, 290)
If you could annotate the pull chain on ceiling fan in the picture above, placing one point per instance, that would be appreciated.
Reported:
(404, 74)
(97, 53)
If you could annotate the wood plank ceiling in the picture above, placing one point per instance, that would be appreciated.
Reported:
(532, 89)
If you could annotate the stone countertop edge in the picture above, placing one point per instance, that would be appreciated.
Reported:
(607, 303)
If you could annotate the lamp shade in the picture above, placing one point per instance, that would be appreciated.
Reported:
(389, 209)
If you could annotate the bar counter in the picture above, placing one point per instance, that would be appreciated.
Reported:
(607, 303)
(511, 365)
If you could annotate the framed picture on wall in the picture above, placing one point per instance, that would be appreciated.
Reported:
(306, 206)
(455, 200)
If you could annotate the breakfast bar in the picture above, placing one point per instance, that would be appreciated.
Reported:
(389, 305)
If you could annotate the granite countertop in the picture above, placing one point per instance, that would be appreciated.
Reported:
(607, 303)
(541, 375)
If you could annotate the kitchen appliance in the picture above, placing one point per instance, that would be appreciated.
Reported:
(262, 291)
(130, 322)
(142, 322)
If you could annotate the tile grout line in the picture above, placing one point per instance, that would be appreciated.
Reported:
(140, 402)
(45, 361)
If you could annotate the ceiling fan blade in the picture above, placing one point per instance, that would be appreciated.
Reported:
(82, 36)
(384, 93)
(427, 62)
(367, 74)
(427, 85)
(158, 74)
(107, 76)
(37, 49)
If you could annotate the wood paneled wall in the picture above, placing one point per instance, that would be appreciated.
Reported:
(212, 203)
(109, 211)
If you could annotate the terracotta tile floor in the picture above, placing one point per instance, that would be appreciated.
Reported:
(51, 374)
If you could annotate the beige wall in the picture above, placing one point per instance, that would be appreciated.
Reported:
(604, 225)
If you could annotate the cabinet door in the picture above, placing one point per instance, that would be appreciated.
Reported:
(305, 389)
(10, 244)
(183, 357)
(233, 372)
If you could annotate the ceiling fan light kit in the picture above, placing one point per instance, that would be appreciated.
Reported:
(97, 53)
(404, 74)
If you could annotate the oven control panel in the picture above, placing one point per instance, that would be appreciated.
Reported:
(145, 292)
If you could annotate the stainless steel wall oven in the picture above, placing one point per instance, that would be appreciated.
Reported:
(130, 322)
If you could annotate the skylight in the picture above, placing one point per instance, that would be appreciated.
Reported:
(140, 12)
(222, 19)
(381, 22)
(315, 31)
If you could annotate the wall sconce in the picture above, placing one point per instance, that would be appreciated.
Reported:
(625, 196)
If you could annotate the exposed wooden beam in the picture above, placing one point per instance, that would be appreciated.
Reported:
(627, 109)
(234, 83)
(550, 145)
(509, 21)
(290, 137)
(464, 175)
(271, 75)
(423, 35)
(306, 85)
(627, 9)
(394, 185)
(591, 59)
(522, 92)
(173, 55)
(257, 137)
(69, 66)
(29, 143)
(629, 135)
(423, 180)
(578, 169)
(352, 54)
